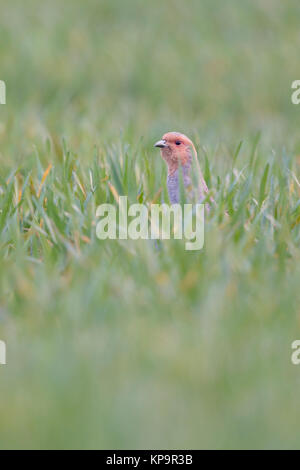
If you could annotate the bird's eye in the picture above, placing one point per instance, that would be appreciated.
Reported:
(178, 142)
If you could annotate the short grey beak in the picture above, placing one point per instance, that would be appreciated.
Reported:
(161, 144)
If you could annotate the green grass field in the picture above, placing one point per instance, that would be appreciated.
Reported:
(116, 344)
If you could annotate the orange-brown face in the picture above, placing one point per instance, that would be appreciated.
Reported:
(175, 147)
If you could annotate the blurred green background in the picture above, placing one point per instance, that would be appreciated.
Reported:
(121, 344)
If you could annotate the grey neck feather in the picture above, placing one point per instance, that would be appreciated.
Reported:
(173, 183)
